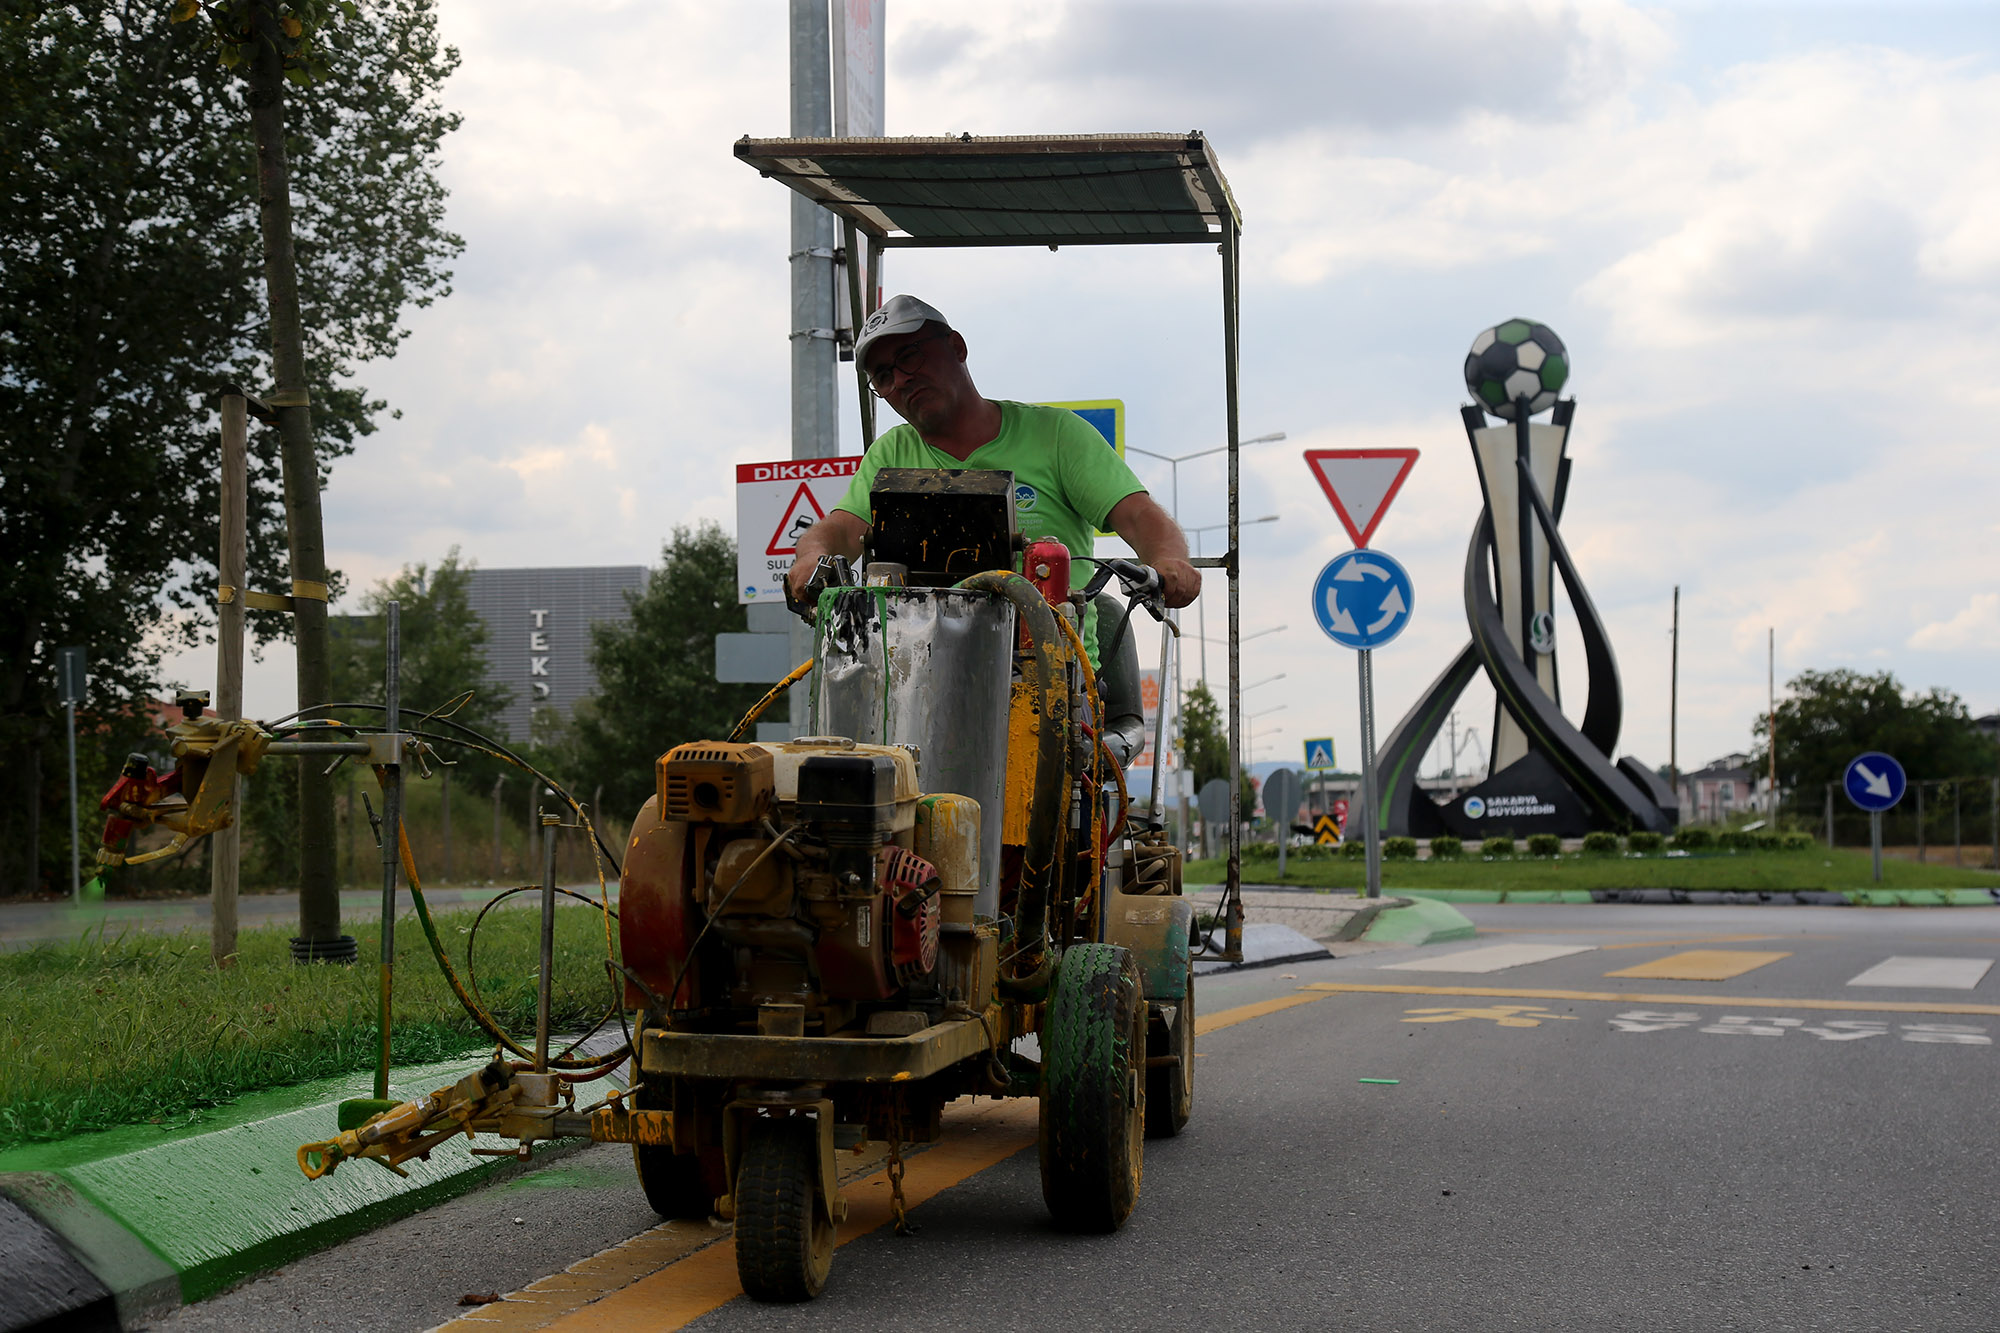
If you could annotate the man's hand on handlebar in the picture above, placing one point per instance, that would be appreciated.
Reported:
(1180, 582)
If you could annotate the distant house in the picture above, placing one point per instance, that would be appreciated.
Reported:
(1710, 795)
(1989, 726)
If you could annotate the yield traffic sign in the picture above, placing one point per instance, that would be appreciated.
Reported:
(1362, 599)
(1874, 781)
(1360, 483)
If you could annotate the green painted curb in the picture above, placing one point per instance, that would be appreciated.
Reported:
(168, 1217)
(1419, 921)
(1920, 897)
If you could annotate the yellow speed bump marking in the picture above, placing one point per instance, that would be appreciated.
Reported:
(1701, 965)
(1706, 939)
(1656, 997)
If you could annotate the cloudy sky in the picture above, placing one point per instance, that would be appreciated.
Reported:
(1770, 236)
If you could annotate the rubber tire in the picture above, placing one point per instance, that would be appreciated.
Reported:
(1093, 1111)
(1170, 1091)
(784, 1244)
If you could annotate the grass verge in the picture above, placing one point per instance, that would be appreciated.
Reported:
(124, 1029)
(1771, 872)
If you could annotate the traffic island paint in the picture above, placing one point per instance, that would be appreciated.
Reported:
(163, 1217)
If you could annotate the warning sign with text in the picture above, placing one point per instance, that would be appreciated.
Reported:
(775, 504)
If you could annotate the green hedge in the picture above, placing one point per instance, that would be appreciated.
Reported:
(1445, 846)
(1644, 842)
(1544, 844)
(1600, 843)
(1694, 839)
(1399, 849)
(1497, 847)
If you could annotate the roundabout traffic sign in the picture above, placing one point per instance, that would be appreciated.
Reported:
(1362, 599)
(1874, 781)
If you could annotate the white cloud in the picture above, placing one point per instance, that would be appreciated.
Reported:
(1976, 627)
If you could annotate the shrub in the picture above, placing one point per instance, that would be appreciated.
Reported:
(1644, 842)
(1446, 846)
(1399, 849)
(1735, 840)
(1354, 849)
(1544, 844)
(1694, 839)
(1497, 847)
(1766, 840)
(1797, 842)
(1600, 843)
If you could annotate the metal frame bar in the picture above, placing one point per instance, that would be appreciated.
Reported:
(1227, 237)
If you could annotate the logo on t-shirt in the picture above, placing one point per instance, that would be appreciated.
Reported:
(1024, 498)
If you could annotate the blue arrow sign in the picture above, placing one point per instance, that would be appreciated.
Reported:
(1362, 599)
(1874, 781)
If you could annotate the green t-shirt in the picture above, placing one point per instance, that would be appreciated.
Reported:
(1066, 479)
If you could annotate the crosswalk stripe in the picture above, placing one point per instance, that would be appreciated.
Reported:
(1701, 965)
(1491, 958)
(1931, 973)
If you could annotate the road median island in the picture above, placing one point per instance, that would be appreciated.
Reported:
(162, 1218)
(1329, 919)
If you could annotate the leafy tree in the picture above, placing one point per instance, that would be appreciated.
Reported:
(131, 288)
(1203, 740)
(1828, 717)
(656, 683)
(443, 646)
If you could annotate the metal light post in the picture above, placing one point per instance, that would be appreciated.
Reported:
(1173, 462)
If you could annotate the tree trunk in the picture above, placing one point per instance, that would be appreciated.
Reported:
(319, 892)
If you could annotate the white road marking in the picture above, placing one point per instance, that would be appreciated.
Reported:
(1930, 973)
(1491, 958)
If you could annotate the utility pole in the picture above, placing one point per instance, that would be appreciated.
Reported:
(1674, 698)
(319, 895)
(1771, 685)
(225, 858)
(815, 344)
(444, 799)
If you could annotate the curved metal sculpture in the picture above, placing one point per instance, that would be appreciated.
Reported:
(1547, 775)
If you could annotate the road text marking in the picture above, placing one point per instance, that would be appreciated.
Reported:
(1506, 1015)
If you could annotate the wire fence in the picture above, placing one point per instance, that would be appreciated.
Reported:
(1945, 821)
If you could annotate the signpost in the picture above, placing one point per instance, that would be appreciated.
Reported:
(1213, 801)
(75, 675)
(1282, 790)
(1874, 782)
(1363, 599)
(775, 504)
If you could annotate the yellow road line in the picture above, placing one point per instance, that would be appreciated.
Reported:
(1652, 997)
(1701, 965)
(1708, 939)
(1243, 1013)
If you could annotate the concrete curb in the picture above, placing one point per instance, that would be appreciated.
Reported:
(1415, 921)
(164, 1218)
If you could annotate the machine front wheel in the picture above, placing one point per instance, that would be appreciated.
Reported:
(784, 1243)
(679, 1186)
(1170, 1088)
(1093, 1112)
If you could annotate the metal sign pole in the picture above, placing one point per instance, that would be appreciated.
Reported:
(392, 834)
(75, 848)
(1875, 841)
(1371, 833)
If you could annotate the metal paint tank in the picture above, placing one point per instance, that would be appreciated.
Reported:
(929, 667)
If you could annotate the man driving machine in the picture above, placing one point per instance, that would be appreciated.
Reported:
(1067, 482)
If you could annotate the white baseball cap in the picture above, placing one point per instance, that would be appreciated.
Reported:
(898, 314)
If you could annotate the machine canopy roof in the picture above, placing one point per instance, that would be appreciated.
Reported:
(1064, 189)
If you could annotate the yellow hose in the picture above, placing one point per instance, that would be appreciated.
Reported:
(757, 709)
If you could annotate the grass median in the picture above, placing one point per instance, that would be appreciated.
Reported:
(1752, 871)
(124, 1029)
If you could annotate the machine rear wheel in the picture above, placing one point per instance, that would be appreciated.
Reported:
(1170, 1088)
(784, 1244)
(1093, 1089)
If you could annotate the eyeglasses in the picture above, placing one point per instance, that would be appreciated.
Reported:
(905, 358)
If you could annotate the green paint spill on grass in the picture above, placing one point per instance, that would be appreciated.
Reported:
(1770, 872)
(131, 1029)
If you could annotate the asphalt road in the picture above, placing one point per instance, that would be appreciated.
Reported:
(1775, 1149)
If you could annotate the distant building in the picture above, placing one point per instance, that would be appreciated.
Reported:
(1712, 794)
(538, 632)
(1989, 726)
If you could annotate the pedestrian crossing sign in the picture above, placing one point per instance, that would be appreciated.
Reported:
(1319, 753)
(1325, 831)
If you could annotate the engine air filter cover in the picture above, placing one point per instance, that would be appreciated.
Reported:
(715, 781)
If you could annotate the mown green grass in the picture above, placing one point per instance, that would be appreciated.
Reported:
(1772, 871)
(133, 1028)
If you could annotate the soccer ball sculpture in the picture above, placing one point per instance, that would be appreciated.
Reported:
(1516, 360)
